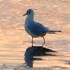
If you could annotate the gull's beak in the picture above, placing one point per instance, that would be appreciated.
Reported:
(25, 14)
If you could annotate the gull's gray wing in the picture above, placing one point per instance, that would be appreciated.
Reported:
(38, 29)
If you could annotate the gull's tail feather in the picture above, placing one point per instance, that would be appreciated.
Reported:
(54, 31)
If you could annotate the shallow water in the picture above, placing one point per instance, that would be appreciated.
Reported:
(14, 40)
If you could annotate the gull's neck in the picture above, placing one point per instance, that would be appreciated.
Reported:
(30, 18)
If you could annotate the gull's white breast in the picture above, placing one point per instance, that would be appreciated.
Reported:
(29, 27)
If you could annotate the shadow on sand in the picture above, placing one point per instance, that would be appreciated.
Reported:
(36, 51)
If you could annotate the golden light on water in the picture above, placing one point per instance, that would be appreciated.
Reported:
(14, 40)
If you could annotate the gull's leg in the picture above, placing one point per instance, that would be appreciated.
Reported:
(44, 41)
(32, 41)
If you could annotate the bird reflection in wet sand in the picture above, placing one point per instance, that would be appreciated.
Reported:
(35, 29)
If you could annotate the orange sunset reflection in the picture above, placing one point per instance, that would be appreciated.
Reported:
(54, 14)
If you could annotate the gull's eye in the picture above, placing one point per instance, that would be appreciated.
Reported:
(28, 12)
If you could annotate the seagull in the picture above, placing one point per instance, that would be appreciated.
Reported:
(35, 29)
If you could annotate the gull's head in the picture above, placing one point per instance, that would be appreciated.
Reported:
(29, 12)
